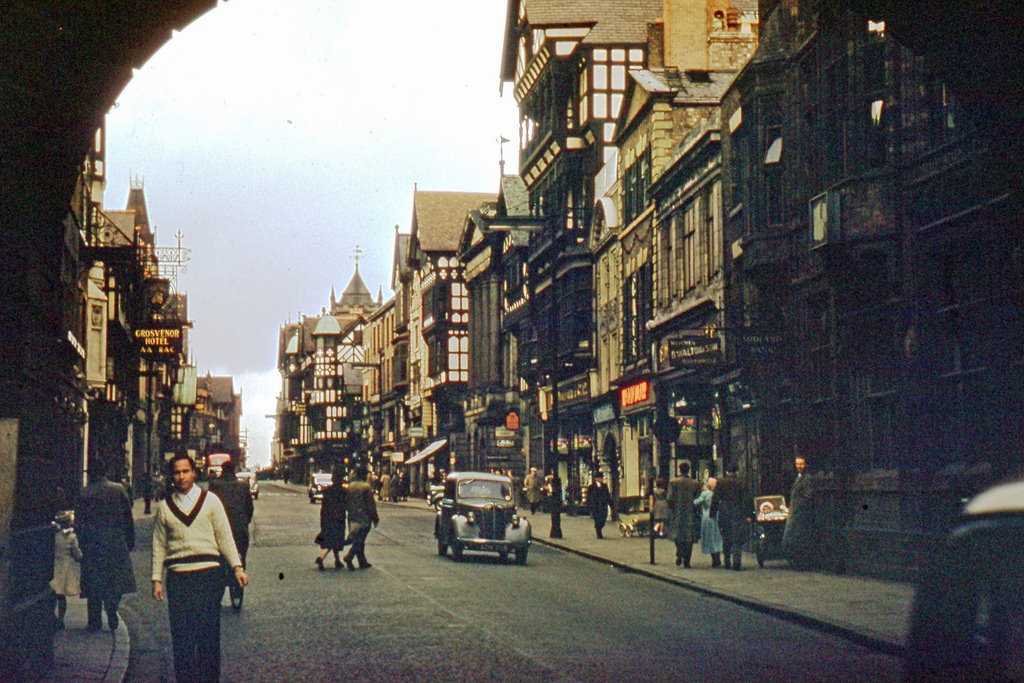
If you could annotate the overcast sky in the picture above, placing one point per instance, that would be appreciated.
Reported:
(277, 136)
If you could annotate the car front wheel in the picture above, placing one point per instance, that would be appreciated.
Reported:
(521, 555)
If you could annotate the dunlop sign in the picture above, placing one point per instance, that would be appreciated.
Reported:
(159, 343)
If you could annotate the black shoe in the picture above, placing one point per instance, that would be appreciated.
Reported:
(348, 563)
(686, 564)
(679, 561)
(337, 564)
(319, 563)
(366, 565)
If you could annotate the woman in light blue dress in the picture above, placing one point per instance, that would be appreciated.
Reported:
(710, 536)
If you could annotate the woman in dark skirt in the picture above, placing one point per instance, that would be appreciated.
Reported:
(332, 522)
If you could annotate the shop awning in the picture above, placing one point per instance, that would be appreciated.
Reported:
(432, 448)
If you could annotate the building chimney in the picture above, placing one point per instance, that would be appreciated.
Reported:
(656, 44)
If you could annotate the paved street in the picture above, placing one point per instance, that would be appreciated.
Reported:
(414, 614)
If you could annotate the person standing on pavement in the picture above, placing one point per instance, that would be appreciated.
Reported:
(362, 511)
(236, 497)
(681, 492)
(710, 536)
(796, 536)
(554, 486)
(732, 505)
(332, 520)
(106, 533)
(598, 500)
(191, 533)
(534, 492)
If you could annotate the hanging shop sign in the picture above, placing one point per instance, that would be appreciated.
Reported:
(574, 390)
(512, 421)
(693, 350)
(159, 342)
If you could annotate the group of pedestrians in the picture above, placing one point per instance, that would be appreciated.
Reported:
(393, 487)
(351, 503)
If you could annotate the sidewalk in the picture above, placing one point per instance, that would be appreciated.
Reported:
(82, 656)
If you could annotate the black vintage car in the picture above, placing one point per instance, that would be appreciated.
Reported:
(968, 617)
(477, 512)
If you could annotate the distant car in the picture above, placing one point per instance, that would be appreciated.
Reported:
(317, 483)
(477, 512)
(250, 479)
(967, 621)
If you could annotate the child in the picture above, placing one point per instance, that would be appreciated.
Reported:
(66, 558)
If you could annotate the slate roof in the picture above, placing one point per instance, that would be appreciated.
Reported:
(222, 390)
(356, 294)
(515, 196)
(688, 86)
(400, 265)
(438, 217)
(614, 21)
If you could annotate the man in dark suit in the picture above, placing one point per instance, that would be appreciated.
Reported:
(681, 492)
(362, 511)
(106, 534)
(236, 497)
(733, 505)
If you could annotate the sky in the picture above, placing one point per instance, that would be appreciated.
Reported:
(276, 137)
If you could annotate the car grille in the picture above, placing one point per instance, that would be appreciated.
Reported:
(492, 520)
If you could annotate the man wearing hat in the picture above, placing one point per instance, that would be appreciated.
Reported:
(598, 501)
(362, 511)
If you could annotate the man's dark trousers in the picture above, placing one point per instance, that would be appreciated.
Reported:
(358, 540)
(193, 605)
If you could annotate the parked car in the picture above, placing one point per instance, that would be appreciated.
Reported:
(250, 479)
(477, 512)
(967, 621)
(317, 483)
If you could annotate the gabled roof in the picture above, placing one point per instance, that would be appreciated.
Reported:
(612, 22)
(221, 388)
(438, 217)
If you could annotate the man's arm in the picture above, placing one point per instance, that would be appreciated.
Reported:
(159, 552)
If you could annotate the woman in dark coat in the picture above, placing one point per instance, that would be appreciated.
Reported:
(332, 522)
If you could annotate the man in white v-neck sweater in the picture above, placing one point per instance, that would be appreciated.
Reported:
(191, 534)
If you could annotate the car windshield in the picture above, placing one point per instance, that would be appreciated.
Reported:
(483, 488)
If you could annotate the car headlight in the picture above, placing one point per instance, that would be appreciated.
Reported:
(515, 521)
(470, 518)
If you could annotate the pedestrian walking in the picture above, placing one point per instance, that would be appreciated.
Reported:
(710, 536)
(106, 534)
(658, 504)
(554, 491)
(191, 533)
(598, 502)
(732, 505)
(66, 568)
(384, 492)
(332, 520)
(236, 497)
(534, 490)
(681, 492)
(362, 512)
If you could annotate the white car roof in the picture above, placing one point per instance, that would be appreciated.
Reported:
(1003, 498)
